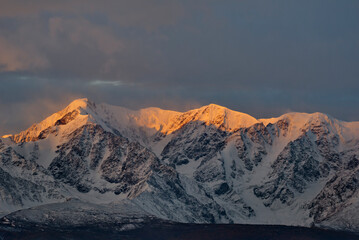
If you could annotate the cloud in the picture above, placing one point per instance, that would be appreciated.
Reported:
(258, 57)
(77, 48)
(148, 15)
(82, 32)
(88, 42)
(81, 40)
(111, 83)
(16, 58)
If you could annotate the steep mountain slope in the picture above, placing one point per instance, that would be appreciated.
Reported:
(209, 164)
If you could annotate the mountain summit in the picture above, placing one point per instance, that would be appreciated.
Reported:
(206, 165)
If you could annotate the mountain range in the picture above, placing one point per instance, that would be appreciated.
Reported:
(207, 165)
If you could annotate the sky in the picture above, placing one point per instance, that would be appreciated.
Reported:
(261, 57)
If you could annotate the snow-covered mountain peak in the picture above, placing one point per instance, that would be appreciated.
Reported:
(214, 107)
(78, 103)
(299, 119)
(215, 115)
(76, 109)
(301, 122)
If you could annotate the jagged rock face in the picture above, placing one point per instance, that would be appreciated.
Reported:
(11, 159)
(340, 191)
(193, 142)
(14, 191)
(259, 134)
(336, 195)
(311, 157)
(206, 165)
(23, 181)
(294, 168)
(91, 150)
(251, 144)
(68, 117)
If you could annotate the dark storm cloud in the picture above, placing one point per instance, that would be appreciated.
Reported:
(260, 57)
